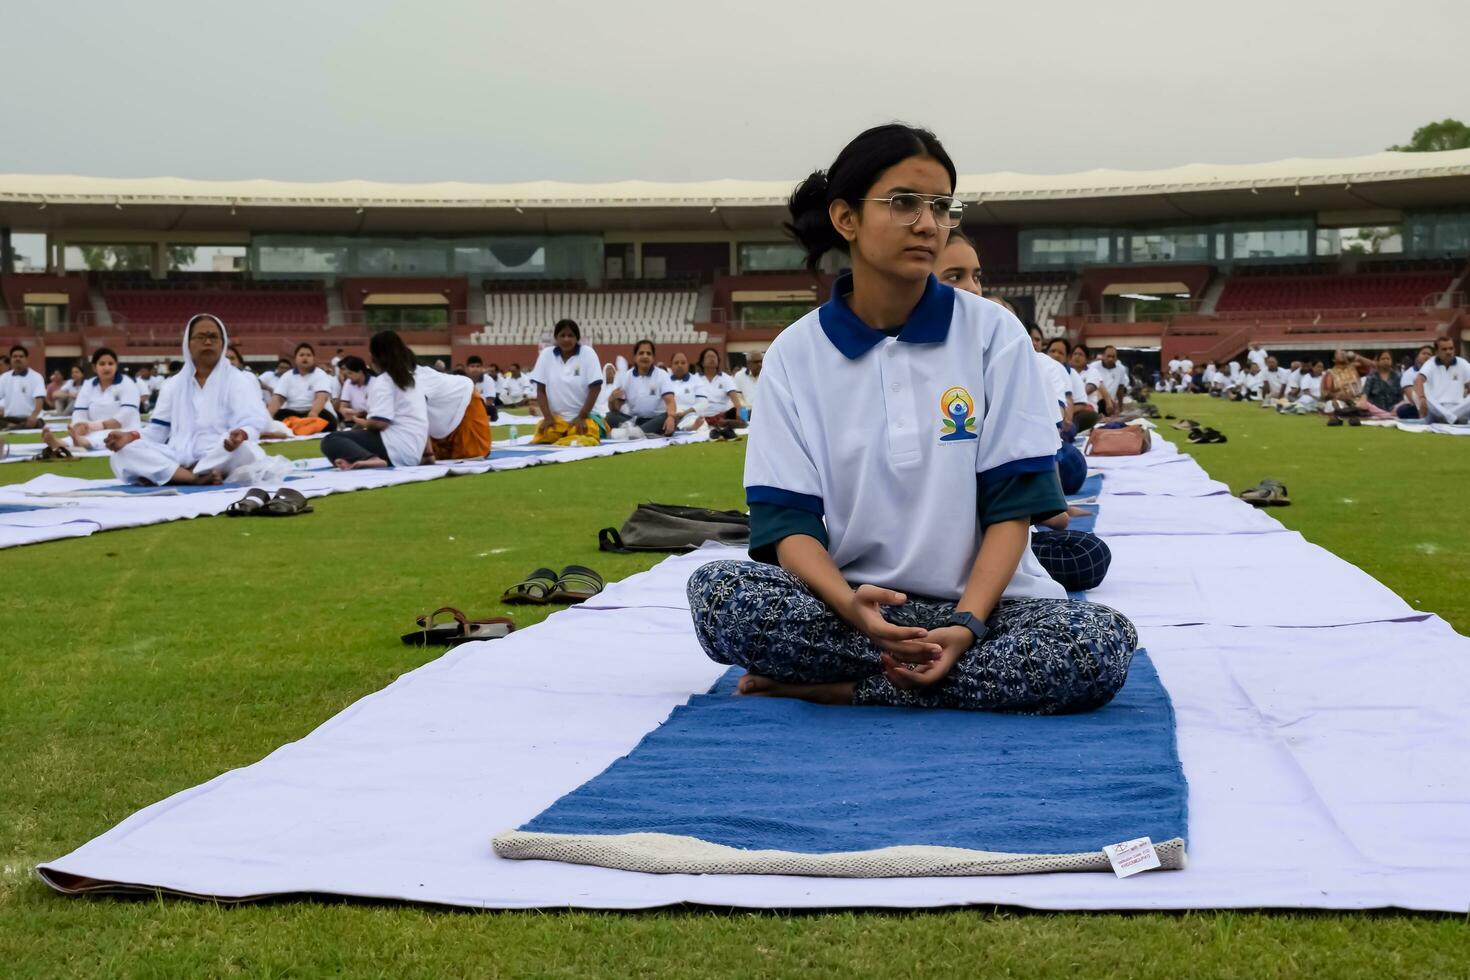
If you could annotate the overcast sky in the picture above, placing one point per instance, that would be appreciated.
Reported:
(545, 89)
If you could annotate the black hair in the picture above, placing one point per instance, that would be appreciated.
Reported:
(699, 361)
(516, 365)
(1110, 347)
(18, 347)
(102, 352)
(282, 359)
(957, 234)
(474, 359)
(393, 357)
(1059, 340)
(1081, 347)
(354, 363)
(235, 349)
(174, 367)
(568, 324)
(850, 178)
(303, 346)
(651, 348)
(1034, 329)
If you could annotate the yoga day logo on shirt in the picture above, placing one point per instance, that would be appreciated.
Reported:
(958, 409)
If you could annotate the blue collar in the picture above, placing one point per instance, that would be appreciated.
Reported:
(928, 323)
(648, 375)
(686, 377)
(575, 351)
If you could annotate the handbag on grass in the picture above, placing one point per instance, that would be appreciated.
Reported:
(1129, 440)
(666, 527)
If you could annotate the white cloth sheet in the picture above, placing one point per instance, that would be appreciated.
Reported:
(1326, 766)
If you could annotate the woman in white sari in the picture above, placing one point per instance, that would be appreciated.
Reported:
(206, 423)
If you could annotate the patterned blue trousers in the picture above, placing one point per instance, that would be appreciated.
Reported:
(1042, 656)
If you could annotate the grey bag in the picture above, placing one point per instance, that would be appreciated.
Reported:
(665, 527)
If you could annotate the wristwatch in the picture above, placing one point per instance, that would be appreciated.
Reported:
(970, 622)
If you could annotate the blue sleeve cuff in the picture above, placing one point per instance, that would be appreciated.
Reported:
(785, 498)
(1018, 467)
(770, 524)
(1033, 496)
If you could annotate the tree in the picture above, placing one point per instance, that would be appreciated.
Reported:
(124, 258)
(1447, 134)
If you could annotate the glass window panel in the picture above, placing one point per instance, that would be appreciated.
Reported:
(772, 257)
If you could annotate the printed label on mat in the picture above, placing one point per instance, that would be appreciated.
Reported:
(1132, 856)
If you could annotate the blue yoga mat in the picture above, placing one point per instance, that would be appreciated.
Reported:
(522, 451)
(142, 491)
(769, 773)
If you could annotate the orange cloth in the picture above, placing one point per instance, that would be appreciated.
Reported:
(470, 439)
(300, 425)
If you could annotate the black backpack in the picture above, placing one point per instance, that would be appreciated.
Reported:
(666, 527)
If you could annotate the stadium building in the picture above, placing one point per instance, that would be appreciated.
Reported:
(1301, 255)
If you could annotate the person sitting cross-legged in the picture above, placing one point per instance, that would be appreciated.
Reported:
(1442, 386)
(206, 423)
(644, 395)
(395, 427)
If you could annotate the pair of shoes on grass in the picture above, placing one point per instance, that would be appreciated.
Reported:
(1205, 436)
(260, 503)
(1267, 493)
(576, 583)
(461, 630)
(723, 432)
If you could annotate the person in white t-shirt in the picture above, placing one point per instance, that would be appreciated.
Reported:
(1412, 408)
(1058, 380)
(22, 391)
(1107, 379)
(66, 395)
(395, 430)
(748, 379)
(568, 379)
(304, 392)
(1443, 385)
(878, 599)
(643, 395)
(513, 387)
(485, 386)
(1256, 354)
(1275, 383)
(1308, 398)
(353, 403)
(106, 401)
(721, 393)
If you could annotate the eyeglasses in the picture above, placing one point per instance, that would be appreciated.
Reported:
(906, 208)
(213, 338)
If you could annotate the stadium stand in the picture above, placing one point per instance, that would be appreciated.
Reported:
(606, 316)
(1047, 300)
(1253, 291)
(257, 308)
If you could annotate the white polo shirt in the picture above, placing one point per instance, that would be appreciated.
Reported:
(1444, 384)
(959, 399)
(120, 401)
(567, 381)
(408, 413)
(1079, 386)
(299, 390)
(689, 392)
(1253, 383)
(1058, 382)
(448, 395)
(1406, 380)
(643, 394)
(1277, 382)
(748, 385)
(1174, 364)
(18, 393)
(717, 391)
(1257, 357)
(486, 388)
(1311, 386)
(355, 397)
(512, 389)
(1110, 379)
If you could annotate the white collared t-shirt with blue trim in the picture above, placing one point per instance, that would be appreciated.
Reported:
(643, 394)
(567, 380)
(962, 402)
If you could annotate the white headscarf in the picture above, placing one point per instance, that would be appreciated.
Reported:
(231, 398)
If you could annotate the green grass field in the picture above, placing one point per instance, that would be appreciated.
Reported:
(139, 663)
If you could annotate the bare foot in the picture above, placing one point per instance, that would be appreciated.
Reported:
(371, 463)
(49, 438)
(754, 685)
(342, 465)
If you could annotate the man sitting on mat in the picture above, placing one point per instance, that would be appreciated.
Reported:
(1442, 386)
(22, 392)
(303, 392)
(206, 423)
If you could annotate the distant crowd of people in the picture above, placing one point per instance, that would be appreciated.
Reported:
(1434, 385)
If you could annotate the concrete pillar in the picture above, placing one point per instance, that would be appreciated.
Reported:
(637, 258)
(7, 253)
(160, 260)
(735, 269)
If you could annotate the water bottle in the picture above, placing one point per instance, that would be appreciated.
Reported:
(515, 433)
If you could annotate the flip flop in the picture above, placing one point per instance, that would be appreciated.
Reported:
(248, 505)
(1184, 424)
(1269, 493)
(533, 590)
(57, 454)
(462, 630)
(577, 584)
(286, 503)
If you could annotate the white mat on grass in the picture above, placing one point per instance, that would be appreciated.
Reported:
(1326, 770)
(1120, 514)
(313, 478)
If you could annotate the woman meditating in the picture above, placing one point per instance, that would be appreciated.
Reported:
(107, 401)
(568, 379)
(892, 565)
(206, 423)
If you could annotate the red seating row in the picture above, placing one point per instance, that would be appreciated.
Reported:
(1330, 292)
(143, 309)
